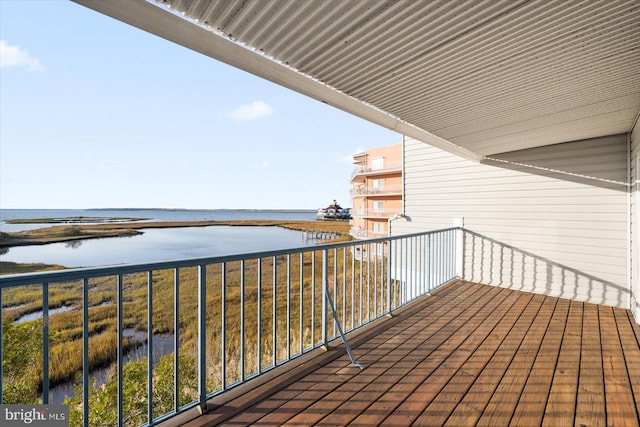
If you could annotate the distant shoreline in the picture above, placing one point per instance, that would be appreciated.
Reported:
(197, 210)
(162, 209)
(74, 220)
(74, 232)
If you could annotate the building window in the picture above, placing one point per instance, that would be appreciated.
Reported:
(377, 185)
(378, 227)
(378, 206)
(377, 163)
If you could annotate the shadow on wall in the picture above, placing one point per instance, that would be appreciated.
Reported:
(492, 262)
(599, 162)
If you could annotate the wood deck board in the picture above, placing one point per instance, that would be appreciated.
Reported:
(446, 401)
(532, 403)
(431, 337)
(491, 356)
(560, 409)
(590, 405)
(385, 404)
(476, 398)
(494, 395)
(367, 354)
(378, 406)
(631, 352)
(620, 404)
(634, 326)
(505, 398)
(444, 368)
(468, 355)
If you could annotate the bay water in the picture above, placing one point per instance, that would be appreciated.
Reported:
(156, 244)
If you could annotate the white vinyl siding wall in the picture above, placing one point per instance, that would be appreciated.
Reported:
(635, 228)
(556, 226)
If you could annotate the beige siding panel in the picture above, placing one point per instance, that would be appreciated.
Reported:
(563, 227)
(550, 220)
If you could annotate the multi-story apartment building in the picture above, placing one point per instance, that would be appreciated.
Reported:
(376, 191)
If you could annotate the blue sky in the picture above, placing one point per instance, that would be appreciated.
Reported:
(95, 113)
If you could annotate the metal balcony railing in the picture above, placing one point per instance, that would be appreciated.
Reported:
(388, 167)
(370, 213)
(370, 191)
(360, 233)
(229, 319)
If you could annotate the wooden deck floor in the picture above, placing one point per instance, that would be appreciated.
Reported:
(468, 355)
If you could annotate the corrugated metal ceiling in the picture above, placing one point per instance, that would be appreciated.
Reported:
(486, 75)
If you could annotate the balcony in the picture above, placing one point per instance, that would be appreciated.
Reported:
(251, 332)
(360, 233)
(229, 320)
(387, 190)
(389, 167)
(469, 354)
(370, 213)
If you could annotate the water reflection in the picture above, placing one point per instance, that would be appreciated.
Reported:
(160, 245)
(38, 314)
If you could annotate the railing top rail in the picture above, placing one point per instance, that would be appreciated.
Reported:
(12, 280)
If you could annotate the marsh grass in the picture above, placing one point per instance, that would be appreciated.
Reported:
(8, 267)
(264, 319)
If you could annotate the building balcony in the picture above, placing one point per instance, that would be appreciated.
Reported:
(370, 213)
(360, 233)
(304, 336)
(387, 190)
(361, 172)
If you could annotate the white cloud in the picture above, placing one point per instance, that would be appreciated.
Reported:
(348, 158)
(15, 56)
(253, 111)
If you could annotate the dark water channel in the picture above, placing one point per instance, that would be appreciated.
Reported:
(162, 345)
(38, 314)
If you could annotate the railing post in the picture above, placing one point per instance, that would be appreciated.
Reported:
(301, 303)
(389, 277)
(429, 264)
(223, 327)
(459, 248)
(176, 339)
(274, 313)
(150, 346)
(202, 338)
(259, 320)
(85, 352)
(120, 350)
(325, 292)
(1, 354)
(45, 343)
(242, 334)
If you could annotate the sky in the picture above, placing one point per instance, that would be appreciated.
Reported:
(97, 114)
